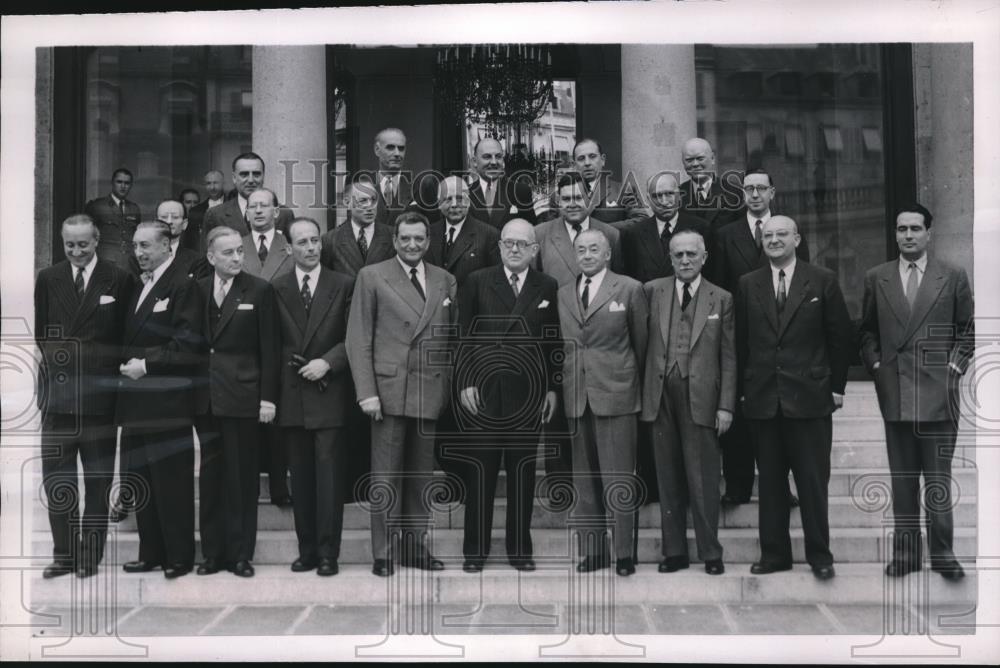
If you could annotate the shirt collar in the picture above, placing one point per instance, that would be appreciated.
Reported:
(218, 280)
(175, 243)
(313, 276)
(216, 202)
(483, 183)
(268, 237)
(904, 264)
(406, 267)
(705, 186)
(694, 286)
(457, 226)
(585, 225)
(789, 270)
(595, 281)
(88, 268)
(369, 229)
(162, 268)
(114, 198)
(752, 220)
(672, 223)
(520, 275)
(242, 201)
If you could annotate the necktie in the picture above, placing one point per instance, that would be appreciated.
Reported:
(911, 284)
(146, 277)
(306, 293)
(513, 285)
(702, 195)
(450, 243)
(121, 208)
(262, 250)
(490, 193)
(585, 297)
(782, 293)
(78, 282)
(220, 293)
(577, 227)
(758, 234)
(387, 190)
(665, 239)
(416, 283)
(363, 243)
(686, 299)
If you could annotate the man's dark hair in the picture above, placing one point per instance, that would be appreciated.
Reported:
(571, 179)
(249, 155)
(585, 140)
(914, 207)
(180, 196)
(122, 170)
(303, 219)
(760, 170)
(411, 218)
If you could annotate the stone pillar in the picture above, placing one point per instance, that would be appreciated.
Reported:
(289, 125)
(658, 108)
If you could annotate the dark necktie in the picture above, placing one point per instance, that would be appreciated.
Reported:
(585, 297)
(121, 208)
(490, 194)
(78, 283)
(665, 239)
(577, 228)
(363, 243)
(514, 286)
(449, 244)
(782, 292)
(306, 293)
(758, 234)
(686, 299)
(416, 283)
(262, 250)
(911, 285)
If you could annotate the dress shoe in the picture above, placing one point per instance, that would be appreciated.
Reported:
(592, 563)
(715, 567)
(282, 501)
(472, 566)
(327, 567)
(86, 570)
(242, 568)
(209, 567)
(734, 500)
(673, 564)
(57, 568)
(793, 501)
(425, 562)
(523, 564)
(176, 570)
(824, 572)
(951, 571)
(765, 568)
(139, 566)
(301, 565)
(624, 567)
(382, 568)
(897, 569)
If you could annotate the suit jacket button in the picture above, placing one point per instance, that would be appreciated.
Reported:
(211, 350)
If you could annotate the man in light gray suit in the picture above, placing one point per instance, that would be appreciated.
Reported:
(689, 394)
(603, 318)
(403, 317)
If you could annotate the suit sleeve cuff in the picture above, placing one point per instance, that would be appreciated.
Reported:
(368, 401)
(143, 363)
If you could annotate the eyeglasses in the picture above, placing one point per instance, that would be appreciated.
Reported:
(750, 190)
(520, 244)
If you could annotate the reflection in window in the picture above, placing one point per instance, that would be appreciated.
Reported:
(832, 139)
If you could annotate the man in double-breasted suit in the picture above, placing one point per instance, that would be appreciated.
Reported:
(162, 346)
(248, 176)
(689, 395)
(238, 391)
(918, 309)
(402, 323)
(80, 310)
(360, 241)
(509, 312)
(495, 198)
(312, 304)
(116, 218)
(603, 317)
(793, 334)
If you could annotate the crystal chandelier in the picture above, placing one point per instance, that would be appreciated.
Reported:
(498, 85)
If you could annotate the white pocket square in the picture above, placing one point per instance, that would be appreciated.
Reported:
(245, 307)
(714, 316)
(513, 209)
(543, 304)
(615, 307)
(161, 305)
(446, 302)
(612, 203)
(814, 299)
(107, 299)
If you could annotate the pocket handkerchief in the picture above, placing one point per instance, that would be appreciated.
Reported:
(513, 209)
(615, 307)
(814, 299)
(161, 305)
(107, 299)
(714, 316)
(245, 307)
(446, 302)
(543, 304)
(612, 203)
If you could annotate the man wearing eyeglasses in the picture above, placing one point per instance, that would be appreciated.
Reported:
(361, 241)
(506, 374)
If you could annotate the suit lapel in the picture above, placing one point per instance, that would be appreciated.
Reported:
(503, 290)
(532, 286)
(399, 281)
(609, 286)
(703, 303)
(745, 244)
(434, 287)
(229, 305)
(564, 246)
(66, 292)
(161, 287)
(276, 256)
(892, 288)
(666, 307)
(462, 243)
(349, 246)
(251, 261)
(796, 293)
(318, 308)
(381, 242)
(765, 297)
(650, 240)
(927, 293)
(287, 289)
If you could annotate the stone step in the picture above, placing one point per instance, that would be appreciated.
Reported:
(740, 545)
(856, 583)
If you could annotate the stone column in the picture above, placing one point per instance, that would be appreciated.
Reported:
(289, 125)
(658, 108)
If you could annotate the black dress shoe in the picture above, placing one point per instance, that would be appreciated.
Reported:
(524, 564)
(382, 568)
(242, 568)
(624, 567)
(715, 567)
(282, 501)
(209, 567)
(327, 567)
(139, 566)
(673, 564)
(897, 569)
(824, 572)
(765, 568)
(57, 568)
(472, 566)
(176, 570)
(591, 563)
(951, 571)
(425, 562)
(734, 500)
(301, 565)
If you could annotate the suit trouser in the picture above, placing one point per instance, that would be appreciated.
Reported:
(738, 457)
(163, 459)
(402, 465)
(802, 445)
(93, 436)
(318, 458)
(229, 484)
(273, 459)
(558, 445)
(917, 448)
(687, 473)
(604, 467)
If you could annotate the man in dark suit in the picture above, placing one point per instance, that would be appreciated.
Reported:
(313, 304)
(80, 309)
(460, 244)
(194, 236)
(397, 190)
(494, 197)
(116, 218)
(689, 395)
(402, 316)
(507, 311)
(240, 390)
(739, 249)
(248, 175)
(361, 241)
(793, 335)
(713, 199)
(162, 346)
(916, 308)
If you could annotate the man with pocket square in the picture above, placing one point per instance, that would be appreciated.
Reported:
(793, 337)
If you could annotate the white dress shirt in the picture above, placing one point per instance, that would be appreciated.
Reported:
(520, 277)
(904, 271)
(242, 201)
(369, 231)
(313, 278)
(421, 273)
(752, 222)
(669, 224)
(156, 276)
(215, 202)
(595, 284)
(88, 271)
(268, 238)
(449, 227)
(789, 271)
(679, 286)
(584, 226)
